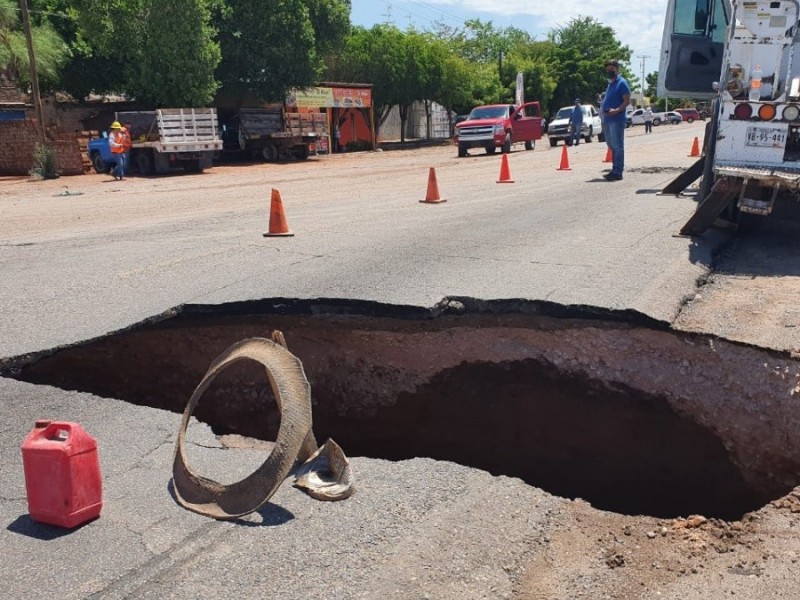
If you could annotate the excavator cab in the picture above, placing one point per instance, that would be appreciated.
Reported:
(692, 48)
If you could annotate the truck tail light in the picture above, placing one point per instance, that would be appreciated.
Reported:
(743, 111)
(767, 112)
(791, 112)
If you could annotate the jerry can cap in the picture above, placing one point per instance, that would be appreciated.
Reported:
(42, 423)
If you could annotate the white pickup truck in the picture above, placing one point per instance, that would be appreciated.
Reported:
(637, 117)
(558, 129)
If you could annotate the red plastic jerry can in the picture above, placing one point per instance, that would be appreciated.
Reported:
(62, 474)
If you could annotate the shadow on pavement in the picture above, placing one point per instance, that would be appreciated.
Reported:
(24, 525)
(271, 515)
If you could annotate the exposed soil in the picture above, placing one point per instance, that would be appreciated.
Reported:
(698, 463)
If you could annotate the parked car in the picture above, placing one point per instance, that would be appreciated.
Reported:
(558, 128)
(637, 117)
(689, 114)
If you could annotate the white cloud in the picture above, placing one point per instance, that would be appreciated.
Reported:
(639, 25)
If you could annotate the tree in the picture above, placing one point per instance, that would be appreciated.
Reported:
(535, 60)
(165, 51)
(48, 46)
(651, 88)
(267, 48)
(377, 56)
(584, 45)
(184, 75)
(330, 20)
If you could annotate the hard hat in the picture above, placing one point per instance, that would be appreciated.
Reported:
(116, 125)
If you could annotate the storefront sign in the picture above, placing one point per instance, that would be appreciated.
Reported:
(326, 97)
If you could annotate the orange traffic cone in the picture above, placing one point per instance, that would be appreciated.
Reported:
(505, 172)
(278, 227)
(695, 148)
(432, 197)
(564, 166)
(609, 155)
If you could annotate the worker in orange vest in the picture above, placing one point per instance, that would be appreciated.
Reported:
(127, 142)
(116, 141)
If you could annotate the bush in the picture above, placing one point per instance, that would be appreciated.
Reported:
(44, 162)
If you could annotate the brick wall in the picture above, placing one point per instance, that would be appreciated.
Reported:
(17, 145)
(9, 93)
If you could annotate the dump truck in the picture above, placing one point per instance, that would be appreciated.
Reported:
(273, 134)
(163, 140)
(742, 54)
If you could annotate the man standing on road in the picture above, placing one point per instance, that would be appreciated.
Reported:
(618, 95)
(576, 123)
(648, 119)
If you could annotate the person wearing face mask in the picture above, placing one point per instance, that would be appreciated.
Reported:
(618, 95)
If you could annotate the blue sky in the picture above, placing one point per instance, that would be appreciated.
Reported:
(636, 24)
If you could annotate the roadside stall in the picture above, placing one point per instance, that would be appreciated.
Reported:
(348, 106)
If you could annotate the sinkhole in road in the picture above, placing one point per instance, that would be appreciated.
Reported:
(611, 407)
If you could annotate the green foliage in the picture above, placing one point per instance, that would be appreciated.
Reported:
(164, 51)
(266, 49)
(456, 89)
(167, 75)
(49, 49)
(44, 162)
(376, 56)
(584, 45)
(534, 60)
(330, 20)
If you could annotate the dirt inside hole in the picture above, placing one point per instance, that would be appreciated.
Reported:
(631, 418)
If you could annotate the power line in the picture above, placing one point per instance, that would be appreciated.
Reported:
(425, 19)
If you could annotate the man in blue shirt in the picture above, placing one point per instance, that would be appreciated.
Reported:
(618, 95)
(576, 123)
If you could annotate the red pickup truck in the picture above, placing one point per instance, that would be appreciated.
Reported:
(498, 126)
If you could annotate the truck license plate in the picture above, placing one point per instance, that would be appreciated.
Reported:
(764, 136)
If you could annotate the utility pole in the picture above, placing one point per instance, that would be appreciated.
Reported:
(643, 58)
(37, 97)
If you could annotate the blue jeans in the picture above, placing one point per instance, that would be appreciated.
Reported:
(119, 170)
(615, 138)
(575, 135)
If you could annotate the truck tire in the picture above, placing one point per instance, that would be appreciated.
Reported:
(269, 153)
(588, 138)
(656, 122)
(143, 162)
(601, 137)
(507, 143)
(530, 144)
(462, 150)
(490, 149)
(690, 120)
(100, 166)
(553, 142)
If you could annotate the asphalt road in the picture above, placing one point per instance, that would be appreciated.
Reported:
(114, 253)
(85, 256)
